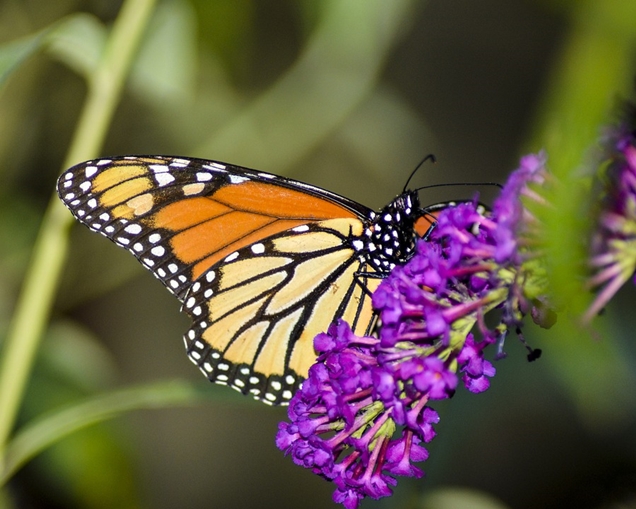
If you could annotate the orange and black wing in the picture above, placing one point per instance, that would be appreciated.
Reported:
(261, 263)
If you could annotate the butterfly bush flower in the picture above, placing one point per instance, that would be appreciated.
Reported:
(366, 411)
(613, 259)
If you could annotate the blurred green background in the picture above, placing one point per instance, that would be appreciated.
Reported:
(348, 95)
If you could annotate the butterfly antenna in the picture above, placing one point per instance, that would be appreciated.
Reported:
(429, 157)
(430, 186)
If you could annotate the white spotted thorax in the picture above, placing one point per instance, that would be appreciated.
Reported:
(391, 238)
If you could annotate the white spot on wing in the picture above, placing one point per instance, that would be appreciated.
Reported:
(180, 163)
(231, 257)
(158, 250)
(191, 189)
(204, 176)
(258, 248)
(133, 229)
(163, 179)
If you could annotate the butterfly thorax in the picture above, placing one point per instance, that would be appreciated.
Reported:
(391, 233)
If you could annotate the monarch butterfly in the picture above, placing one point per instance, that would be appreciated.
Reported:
(261, 263)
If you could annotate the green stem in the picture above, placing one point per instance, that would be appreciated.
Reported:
(34, 304)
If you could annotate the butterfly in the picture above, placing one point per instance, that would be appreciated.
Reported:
(261, 263)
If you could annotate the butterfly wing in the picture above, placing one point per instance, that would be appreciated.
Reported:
(261, 263)
(255, 317)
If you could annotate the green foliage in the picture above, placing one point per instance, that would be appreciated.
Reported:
(593, 72)
(342, 94)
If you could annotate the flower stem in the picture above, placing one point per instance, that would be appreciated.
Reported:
(34, 304)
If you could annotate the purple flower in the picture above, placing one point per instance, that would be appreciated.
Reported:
(470, 264)
(363, 413)
(344, 418)
(613, 259)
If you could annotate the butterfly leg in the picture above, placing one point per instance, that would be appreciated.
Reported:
(360, 275)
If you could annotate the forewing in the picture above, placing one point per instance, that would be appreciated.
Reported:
(179, 217)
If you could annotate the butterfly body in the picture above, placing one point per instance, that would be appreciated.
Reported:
(260, 263)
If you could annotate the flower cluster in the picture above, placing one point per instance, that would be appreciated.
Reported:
(340, 427)
(613, 258)
(362, 416)
(470, 264)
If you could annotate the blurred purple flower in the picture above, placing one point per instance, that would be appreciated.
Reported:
(613, 259)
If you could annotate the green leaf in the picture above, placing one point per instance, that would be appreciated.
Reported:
(14, 53)
(78, 42)
(43, 432)
(166, 65)
(593, 71)
(594, 68)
